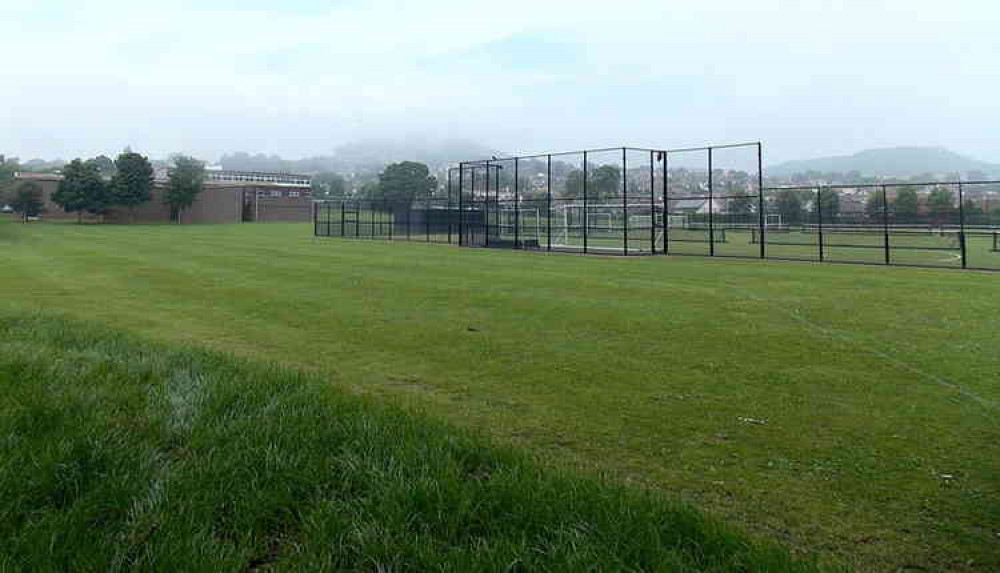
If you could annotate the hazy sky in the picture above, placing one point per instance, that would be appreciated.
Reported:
(300, 77)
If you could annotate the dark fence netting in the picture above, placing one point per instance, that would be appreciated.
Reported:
(708, 201)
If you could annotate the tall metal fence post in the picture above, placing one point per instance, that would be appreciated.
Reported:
(379, 216)
(496, 198)
(652, 202)
(517, 204)
(461, 201)
(548, 184)
(666, 203)
(885, 221)
(449, 205)
(711, 208)
(625, 200)
(961, 225)
(761, 217)
(819, 215)
(472, 199)
(586, 222)
(315, 218)
(343, 227)
(486, 206)
(427, 217)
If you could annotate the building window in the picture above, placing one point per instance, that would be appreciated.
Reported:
(275, 193)
(293, 193)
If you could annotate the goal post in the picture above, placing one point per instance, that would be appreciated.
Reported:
(646, 221)
(525, 222)
(600, 222)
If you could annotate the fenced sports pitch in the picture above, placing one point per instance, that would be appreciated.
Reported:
(705, 201)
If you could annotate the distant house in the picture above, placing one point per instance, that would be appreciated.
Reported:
(229, 197)
(698, 206)
(851, 204)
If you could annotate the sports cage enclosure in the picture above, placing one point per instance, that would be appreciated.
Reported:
(706, 201)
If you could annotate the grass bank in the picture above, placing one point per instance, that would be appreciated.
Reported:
(119, 454)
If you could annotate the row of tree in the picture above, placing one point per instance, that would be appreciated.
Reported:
(939, 206)
(603, 182)
(98, 185)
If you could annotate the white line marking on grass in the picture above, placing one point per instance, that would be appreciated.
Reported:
(834, 333)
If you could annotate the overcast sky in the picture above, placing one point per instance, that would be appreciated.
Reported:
(300, 77)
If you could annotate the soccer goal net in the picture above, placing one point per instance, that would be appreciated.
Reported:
(646, 221)
(572, 221)
(522, 223)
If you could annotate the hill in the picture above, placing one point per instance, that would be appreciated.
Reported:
(891, 162)
(363, 155)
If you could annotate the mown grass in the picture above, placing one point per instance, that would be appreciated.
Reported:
(877, 387)
(118, 454)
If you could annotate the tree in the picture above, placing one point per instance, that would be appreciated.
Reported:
(740, 205)
(27, 200)
(829, 202)
(974, 213)
(369, 191)
(788, 203)
(71, 195)
(98, 192)
(605, 183)
(8, 167)
(403, 183)
(186, 182)
(328, 184)
(941, 204)
(132, 183)
(82, 189)
(573, 186)
(105, 166)
(906, 206)
(875, 206)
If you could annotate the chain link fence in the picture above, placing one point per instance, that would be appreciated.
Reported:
(707, 201)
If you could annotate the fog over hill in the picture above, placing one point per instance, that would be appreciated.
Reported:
(364, 155)
(891, 162)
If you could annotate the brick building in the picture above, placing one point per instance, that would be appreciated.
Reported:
(228, 197)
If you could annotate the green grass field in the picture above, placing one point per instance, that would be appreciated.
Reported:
(844, 412)
(914, 246)
(124, 455)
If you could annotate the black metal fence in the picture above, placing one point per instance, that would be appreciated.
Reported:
(707, 201)
(934, 224)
